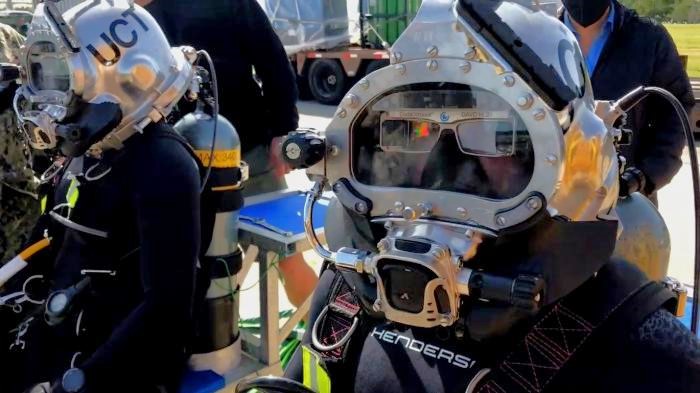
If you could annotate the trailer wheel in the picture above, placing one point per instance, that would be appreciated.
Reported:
(375, 65)
(327, 81)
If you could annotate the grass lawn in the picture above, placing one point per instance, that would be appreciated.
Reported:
(687, 38)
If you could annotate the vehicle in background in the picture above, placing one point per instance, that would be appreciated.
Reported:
(333, 43)
(19, 20)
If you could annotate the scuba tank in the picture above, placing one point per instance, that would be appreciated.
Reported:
(645, 239)
(216, 144)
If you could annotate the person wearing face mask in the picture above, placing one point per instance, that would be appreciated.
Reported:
(622, 51)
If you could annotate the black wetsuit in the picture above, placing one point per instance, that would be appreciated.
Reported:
(131, 329)
(660, 356)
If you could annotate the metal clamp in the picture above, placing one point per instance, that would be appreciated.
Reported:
(327, 348)
(21, 331)
(680, 292)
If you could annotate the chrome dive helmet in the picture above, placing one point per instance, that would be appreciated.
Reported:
(96, 75)
(482, 130)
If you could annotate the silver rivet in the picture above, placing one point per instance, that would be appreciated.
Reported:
(398, 206)
(432, 51)
(337, 187)
(364, 83)
(426, 209)
(469, 234)
(361, 207)
(462, 212)
(534, 203)
(465, 67)
(551, 159)
(401, 68)
(342, 113)
(334, 150)
(352, 100)
(501, 221)
(508, 80)
(539, 114)
(525, 101)
(445, 320)
(470, 53)
(433, 65)
(398, 56)
(408, 213)
(388, 225)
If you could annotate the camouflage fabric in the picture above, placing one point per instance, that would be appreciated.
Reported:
(18, 209)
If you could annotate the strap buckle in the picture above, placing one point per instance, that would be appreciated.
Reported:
(680, 292)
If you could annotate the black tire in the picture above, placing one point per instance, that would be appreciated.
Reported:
(375, 65)
(327, 81)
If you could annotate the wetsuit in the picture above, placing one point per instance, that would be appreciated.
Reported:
(659, 356)
(130, 328)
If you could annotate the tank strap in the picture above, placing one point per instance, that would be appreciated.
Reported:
(618, 299)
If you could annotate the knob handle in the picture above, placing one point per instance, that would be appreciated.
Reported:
(303, 148)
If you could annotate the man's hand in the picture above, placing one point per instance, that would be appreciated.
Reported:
(279, 166)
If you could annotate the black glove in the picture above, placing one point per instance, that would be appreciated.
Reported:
(631, 181)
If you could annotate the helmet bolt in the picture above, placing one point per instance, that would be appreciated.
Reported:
(462, 212)
(401, 68)
(353, 100)
(465, 67)
(534, 203)
(539, 114)
(525, 101)
(408, 213)
(432, 51)
(508, 80)
(425, 209)
(501, 221)
(398, 206)
(361, 207)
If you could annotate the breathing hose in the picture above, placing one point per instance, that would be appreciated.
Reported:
(215, 88)
(628, 102)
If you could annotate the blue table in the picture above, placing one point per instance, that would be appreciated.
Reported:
(269, 224)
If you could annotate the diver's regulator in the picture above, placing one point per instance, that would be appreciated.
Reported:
(419, 282)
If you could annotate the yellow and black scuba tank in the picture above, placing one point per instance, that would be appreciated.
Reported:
(216, 345)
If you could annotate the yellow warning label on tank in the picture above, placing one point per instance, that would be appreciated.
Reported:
(222, 158)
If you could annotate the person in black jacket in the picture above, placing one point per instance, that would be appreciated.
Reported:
(257, 93)
(623, 51)
(261, 104)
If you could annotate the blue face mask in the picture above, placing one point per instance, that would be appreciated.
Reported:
(586, 12)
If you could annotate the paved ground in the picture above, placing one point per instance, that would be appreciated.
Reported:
(675, 204)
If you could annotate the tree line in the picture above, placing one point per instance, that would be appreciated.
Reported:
(678, 11)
